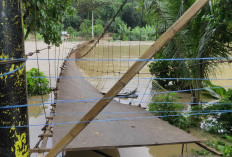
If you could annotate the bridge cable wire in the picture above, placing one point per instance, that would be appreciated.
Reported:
(38, 73)
(119, 119)
(151, 93)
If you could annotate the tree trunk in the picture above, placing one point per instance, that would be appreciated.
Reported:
(197, 84)
(14, 136)
(92, 25)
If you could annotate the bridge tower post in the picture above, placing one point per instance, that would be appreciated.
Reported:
(14, 137)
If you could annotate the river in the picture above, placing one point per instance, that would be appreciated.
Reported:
(113, 70)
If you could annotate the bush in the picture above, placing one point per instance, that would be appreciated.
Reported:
(37, 86)
(220, 146)
(124, 32)
(170, 108)
(164, 69)
(221, 122)
(146, 33)
(117, 23)
(71, 31)
(73, 21)
(98, 30)
(116, 36)
(99, 22)
(84, 28)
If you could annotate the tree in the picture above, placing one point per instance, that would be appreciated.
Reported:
(73, 21)
(131, 15)
(45, 17)
(87, 7)
(207, 35)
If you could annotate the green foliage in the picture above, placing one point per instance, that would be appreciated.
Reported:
(71, 31)
(170, 108)
(202, 152)
(196, 120)
(215, 91)
(227, 137)
(228, 94)
(84, 28)
(117, 24)
(221, 147)
(167, 69)
(125, 33)
(99, 22)
(221, 122)
(98, 30)
(85, 7)
(45, 18)
(73, 21)
(205, 36)
(37, 86)
(132, 16)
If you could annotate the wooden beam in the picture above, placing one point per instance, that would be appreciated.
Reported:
(38, 150)
(209, 149)
(45, 135)
(100, 105)
(50, 117)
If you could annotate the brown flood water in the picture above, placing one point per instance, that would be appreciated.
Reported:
(113, 70)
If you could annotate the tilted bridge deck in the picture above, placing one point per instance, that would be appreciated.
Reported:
(108, 134)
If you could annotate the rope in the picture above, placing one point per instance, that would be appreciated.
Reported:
(13, 71)
(95, 100)
(112, 120)
(102, 113)
(140, 78)
(229, 59)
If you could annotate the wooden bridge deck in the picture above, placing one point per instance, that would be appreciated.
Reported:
(108, 134)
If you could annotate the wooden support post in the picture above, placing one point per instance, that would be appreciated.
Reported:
(14, 141)
(100, 105)
(182, 151)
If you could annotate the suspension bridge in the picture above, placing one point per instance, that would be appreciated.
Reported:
(89, 111)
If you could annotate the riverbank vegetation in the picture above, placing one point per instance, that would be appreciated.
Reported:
(93, 15)
(208, 35)
(37, 83)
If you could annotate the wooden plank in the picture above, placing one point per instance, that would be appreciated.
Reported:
(50, 117)
(209, 149)
(45, 135)
(160, 43)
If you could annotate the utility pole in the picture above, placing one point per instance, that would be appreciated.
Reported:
(14, 140)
